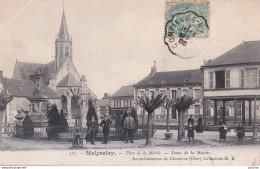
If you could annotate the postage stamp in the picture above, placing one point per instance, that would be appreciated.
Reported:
(185, 20)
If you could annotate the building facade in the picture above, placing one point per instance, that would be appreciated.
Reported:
(104, 105)
(122, 99)
(232, 85)
(173, 84)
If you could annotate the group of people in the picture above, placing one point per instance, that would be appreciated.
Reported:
(222, 130)
(199, 128)
(92, 128)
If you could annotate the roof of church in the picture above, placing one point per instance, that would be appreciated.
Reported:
(24, 88)
(178, 78)
(63, 34)
(49, 72)
(124, 91)
(24, 70)
(245, 53)
(68, 81)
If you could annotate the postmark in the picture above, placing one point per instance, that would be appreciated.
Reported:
(187, 27)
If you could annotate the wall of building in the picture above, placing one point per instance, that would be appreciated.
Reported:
(234, 75)
(193, 91)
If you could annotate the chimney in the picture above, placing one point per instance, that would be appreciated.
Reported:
(153, 69)
(105, 96)
(1, 77)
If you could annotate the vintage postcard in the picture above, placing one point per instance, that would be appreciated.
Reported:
(129, 82)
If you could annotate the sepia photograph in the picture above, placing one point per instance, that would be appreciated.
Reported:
(129, 83)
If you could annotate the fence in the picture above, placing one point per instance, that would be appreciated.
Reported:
(116, 133)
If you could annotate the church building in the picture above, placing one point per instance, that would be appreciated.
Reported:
(60, 74)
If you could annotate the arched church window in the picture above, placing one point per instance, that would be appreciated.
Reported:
(67, 51)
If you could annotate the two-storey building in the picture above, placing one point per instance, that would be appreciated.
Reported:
(122, 99)
(173, 84)
(232, 84)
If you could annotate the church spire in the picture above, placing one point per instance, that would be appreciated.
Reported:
(63, 34)
(63, 44)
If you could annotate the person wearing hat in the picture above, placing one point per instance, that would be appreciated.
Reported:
(199, 128)
(240, 132)
(222, 132)
(129, 126)
(190, 120)
(105, 123)
(190, 132)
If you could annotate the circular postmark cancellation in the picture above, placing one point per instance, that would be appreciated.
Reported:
(186, 29)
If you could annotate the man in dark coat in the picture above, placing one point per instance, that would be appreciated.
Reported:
(190, 120)
(199, 128)
(222, 132)
(106, 128)
(240, 132)
(129, 126)
(92, 129)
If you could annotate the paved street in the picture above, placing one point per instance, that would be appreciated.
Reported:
(205, 139)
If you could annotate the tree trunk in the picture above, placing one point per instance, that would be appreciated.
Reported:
(5, 124)
(183, 128)
(1, 120)
(167, 121)
(180, 127)
(143, 116)
(149, 132)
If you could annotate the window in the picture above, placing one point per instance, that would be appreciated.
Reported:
(173, 94)
(211, 80)
(239, 108)
(242, 78)
(66, 51)
(185, 92)
(168, 94)
(197, 109)
(220, 79)
(227, 79)
(141, 94)
(251, 77)
(197, 94)
(151, 94)
(162, 92)
(191, 92)
(208, 108)
(162, 110)
(178, 94)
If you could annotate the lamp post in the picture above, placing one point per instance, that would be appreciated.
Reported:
(255, 137)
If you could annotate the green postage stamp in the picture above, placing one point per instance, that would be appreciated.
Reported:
(185, 20)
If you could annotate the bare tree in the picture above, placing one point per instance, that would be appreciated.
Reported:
(168, 104)
(150, 105)
(182, 104)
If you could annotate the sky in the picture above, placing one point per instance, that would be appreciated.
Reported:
(115, 42)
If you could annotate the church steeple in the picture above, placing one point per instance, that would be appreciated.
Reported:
(63, 34)
(63, 44)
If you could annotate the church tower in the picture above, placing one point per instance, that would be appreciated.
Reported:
(63, 44)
